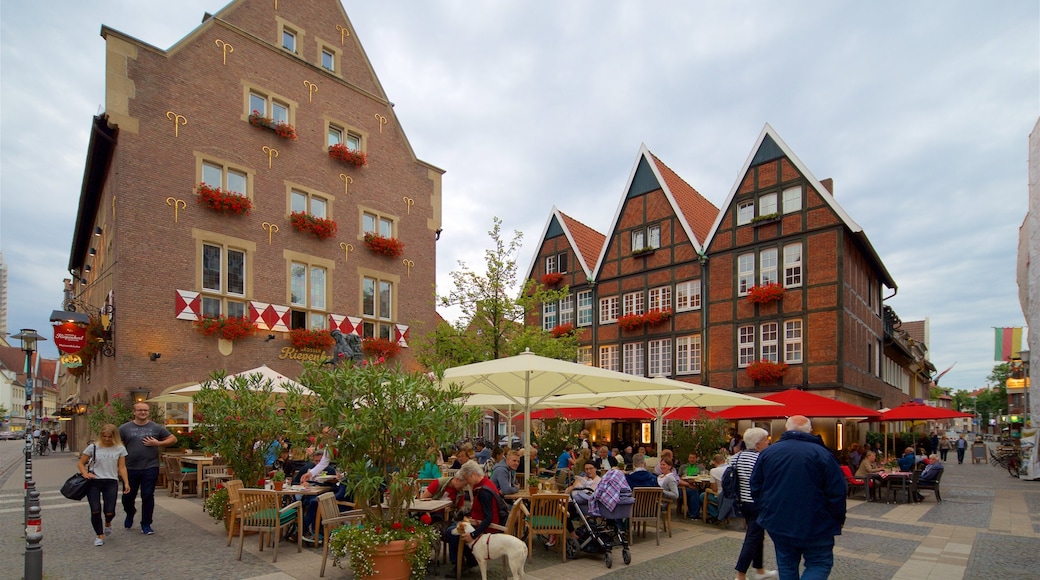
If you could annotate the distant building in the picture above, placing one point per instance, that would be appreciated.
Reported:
(3, 296)
(1029, 268)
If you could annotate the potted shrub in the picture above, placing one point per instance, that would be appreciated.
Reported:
(381, 420)
(766, 370)
(221, 201)
(347, 156)
(278, 480)
(389, 247)
(764, 293)
(320, 228)
(217, 506)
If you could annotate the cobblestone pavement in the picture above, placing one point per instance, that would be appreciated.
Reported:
(988, 526)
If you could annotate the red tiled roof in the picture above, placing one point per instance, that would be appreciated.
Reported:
(589, 241)
(697, 210)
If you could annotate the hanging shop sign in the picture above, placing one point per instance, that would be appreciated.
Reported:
(70, 337)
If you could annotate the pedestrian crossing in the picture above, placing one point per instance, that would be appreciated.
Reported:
(52, 499)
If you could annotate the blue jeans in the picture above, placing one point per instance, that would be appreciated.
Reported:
(817, 552)
(960, 454)
(754, 540)
(143, 479)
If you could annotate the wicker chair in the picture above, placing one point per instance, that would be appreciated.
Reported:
(646, 510)
(332, 518)
(261, 513)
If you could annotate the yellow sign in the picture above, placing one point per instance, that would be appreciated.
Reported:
(71, 360)
(1017, 383)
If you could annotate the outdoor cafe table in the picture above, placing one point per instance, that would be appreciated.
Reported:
(897, 481)
(290, 490)
(198, 461)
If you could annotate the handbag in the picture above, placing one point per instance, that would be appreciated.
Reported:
(75, 487)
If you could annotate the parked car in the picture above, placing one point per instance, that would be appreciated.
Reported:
(8, 436)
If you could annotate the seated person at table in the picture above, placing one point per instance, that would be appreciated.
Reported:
(319, 462)
(667, 480)
(449, 488)
(462, 456)
(666, 453)
(640, 477)
(691, 468)
(566, 459)
(588, 479)
(616, 454)
(488, 508)
(626, 456)
(907, 461)
(694, 496)
(604, 459)
(483, 454)
(867, 469)
(504, 474)
(930, 474)
(430, 469)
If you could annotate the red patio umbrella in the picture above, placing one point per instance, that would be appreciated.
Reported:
(918, 412)
(797, 402)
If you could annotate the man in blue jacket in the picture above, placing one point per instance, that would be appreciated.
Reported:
(800, 491)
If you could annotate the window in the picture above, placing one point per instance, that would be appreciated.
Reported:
(584, 356)
(608, 309)
(793, 341)
(228, 179)
(608, 357)
(745, 212)
(688, 355)
(770, 341)
(792, 199)
(688, 295)
(556, 263)
(767, 262)
(745, 346)
(377, 301)
(328, 60)
(289, 40)
(307, 291)
(585, 308)
(338, 135)
(377, 224)
(660, 354)
(661, 298)
(567, 310)
(745, 273)
(646, 238)
(633, 359)
(634, 303)
(792, 265)
(767, 204)
(268, 106)
(303, 202)
(223, 280)
(548, 316)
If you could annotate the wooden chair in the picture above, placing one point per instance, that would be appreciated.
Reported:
(666, 513)
(261, 512)
(521, 480)
(179, 479)
(855, 484)
(646, 510)
(235, 502)
(514, 527)
(916, 484)
(332, 518)
(211, 476)
(548, 517)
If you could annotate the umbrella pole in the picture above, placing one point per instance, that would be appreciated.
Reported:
(527, 428)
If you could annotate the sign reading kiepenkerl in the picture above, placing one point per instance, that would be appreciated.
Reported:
(70, 337)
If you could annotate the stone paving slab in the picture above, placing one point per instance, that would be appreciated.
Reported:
(1000, 556)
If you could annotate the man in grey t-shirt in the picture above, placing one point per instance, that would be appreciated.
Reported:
(142, 438)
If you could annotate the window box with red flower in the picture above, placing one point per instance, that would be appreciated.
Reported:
(552, 278)
(347, 156)
(281, 128)
(630, 321)
(226, 327)
(380, 348)
(226, 202)
(766, 371)
(320, 228)
(765, 293)
(301, 338)
(389, 247)
(655, 317)
(562, 330)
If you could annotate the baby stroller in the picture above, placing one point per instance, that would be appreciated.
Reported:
(602, 528)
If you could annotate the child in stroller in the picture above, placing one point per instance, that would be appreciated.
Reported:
(601, 515)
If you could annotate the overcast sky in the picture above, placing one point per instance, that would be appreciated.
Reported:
(919, 111)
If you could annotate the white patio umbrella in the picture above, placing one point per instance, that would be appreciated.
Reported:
(668, 398)
(170, 398)
(528, 380)
(279, 382)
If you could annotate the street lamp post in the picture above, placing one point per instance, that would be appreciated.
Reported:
(33, 529)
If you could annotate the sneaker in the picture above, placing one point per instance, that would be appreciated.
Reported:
(108, 530)
(768, 574)
(551, 542)
(147, 530)
(308, 539)
(99, 542)
(128, 522)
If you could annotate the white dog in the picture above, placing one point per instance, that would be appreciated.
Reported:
(494, 546)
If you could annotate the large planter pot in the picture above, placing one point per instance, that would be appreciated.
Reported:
(390, 561)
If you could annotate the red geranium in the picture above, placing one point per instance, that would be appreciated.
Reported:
(222, 201)
(389, 247)
(562, 330)
(301, 338)
(765, 293)
(630, 321)
(380, 348)
(226, 327)
(655, 317)
(344, 154)
(766, 370)
(552, 278)
(320, 228)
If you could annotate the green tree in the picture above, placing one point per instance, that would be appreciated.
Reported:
(553, 437)
(704, 438)
(116, 411)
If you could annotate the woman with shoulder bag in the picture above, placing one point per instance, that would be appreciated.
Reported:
(751, 553)
(107, 466)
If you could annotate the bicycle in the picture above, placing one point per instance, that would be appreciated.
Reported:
(1008, 458)
(40, 447)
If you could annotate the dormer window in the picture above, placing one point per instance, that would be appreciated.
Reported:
(648, 238)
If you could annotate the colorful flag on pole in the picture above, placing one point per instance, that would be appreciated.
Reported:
(1008, 343)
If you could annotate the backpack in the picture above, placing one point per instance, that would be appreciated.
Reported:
(729, 502)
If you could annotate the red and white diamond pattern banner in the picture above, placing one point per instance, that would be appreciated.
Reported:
(345, 324)
(269, 316)
(187, 305)
(401, 335)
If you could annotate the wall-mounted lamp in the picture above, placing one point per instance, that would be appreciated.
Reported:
(139, 395)
(87, 268)
(82, 280)
(155, 356)
(98, 231)
(839, 435)
(93, 251)
(269, 338)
